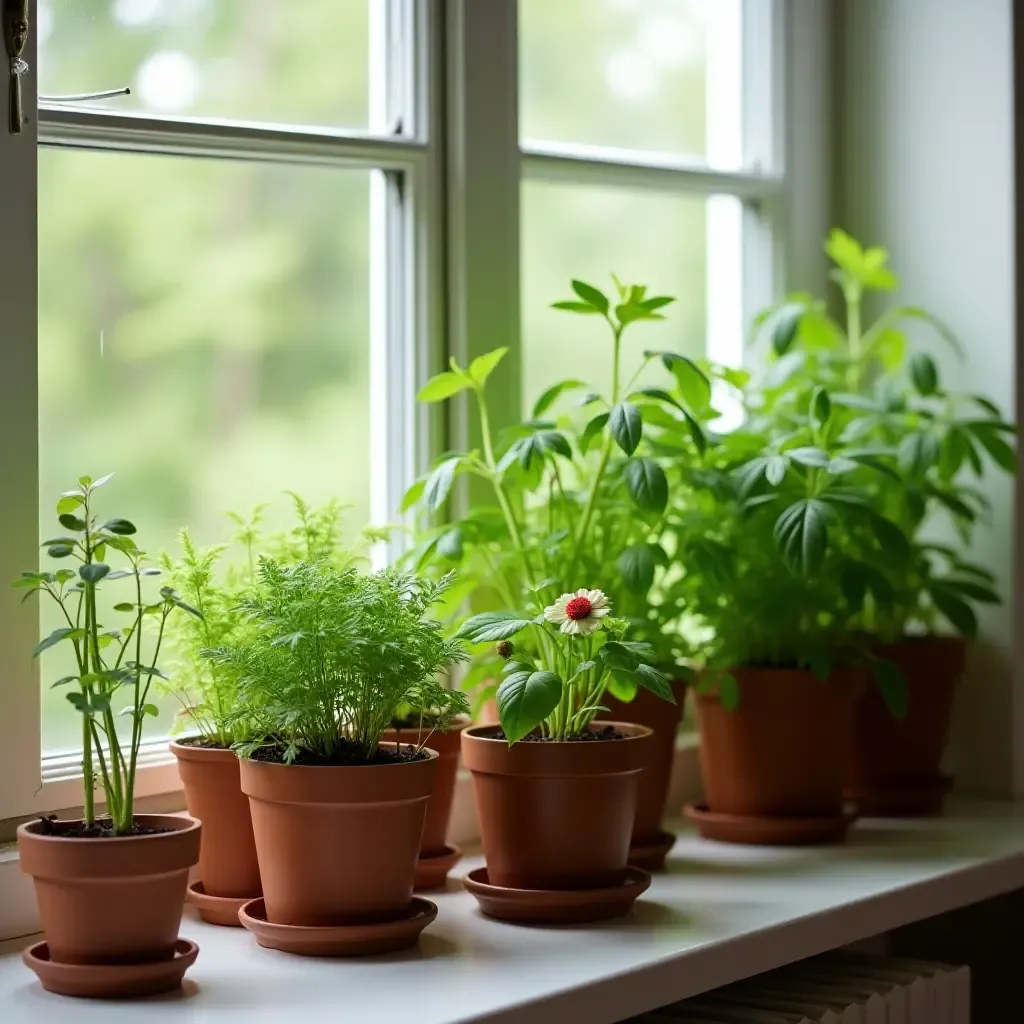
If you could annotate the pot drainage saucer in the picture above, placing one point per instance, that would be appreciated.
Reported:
(342, 939)
(900, 799)
(556, 906)
(766, 831)
(222, 910)
(650, 852)
(432, 869)
(111, 981)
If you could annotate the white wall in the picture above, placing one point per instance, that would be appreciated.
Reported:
(925, 167)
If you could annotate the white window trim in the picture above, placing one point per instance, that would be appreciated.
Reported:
(450, 279)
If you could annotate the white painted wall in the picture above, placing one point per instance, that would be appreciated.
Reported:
(925, 167)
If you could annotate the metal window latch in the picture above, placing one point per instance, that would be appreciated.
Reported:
(15, 24)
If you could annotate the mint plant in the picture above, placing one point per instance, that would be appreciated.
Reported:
(111, 663)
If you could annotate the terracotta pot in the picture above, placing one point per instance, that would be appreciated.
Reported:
(663, 719)
(890, 754)
(556, 815)
(785, 751)
(213, 794)
(439, 809)
(338, 845)
(111, 901)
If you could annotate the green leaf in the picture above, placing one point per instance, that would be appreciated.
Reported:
(64, 681)
(71, 522)
(618, 657)
(488, 627)
(924, 374)
(590, 295)
(54, 638)
(784, 326)
(413, 495)
(892, 686)
(626, 426)
(694, 386)
(954, 608)
(918, 452)
(801, 532)
(439, 483)
(1001, 453)
(970, 589)
(150, 709)
(575, 307)
(637, 564)
(821, 407)
(68, 503)
(524, 700)
(809, 456)
(550, 396)
(102, 480)
(592, 430)
(483, 366)
(94, 572)
(775, 469)
(647, 483)
(122, 527)
(657, 682)
(443, 386)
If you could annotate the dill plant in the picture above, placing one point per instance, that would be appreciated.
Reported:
(326, 656)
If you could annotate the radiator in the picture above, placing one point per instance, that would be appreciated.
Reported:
(836, 988)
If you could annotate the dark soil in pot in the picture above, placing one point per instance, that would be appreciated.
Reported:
(106, 900)
(557, 815)
(784, 752)
(663, 719)
(213, 793)
(447, 744)
(338, 844)
(891, 754)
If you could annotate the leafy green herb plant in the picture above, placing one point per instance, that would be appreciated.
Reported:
(110, 663)
(326, 656)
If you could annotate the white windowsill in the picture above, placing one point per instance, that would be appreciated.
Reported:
(720, 913)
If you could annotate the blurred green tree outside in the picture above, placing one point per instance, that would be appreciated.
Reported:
(204, 323)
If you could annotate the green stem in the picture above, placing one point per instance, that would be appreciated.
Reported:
(854, 339)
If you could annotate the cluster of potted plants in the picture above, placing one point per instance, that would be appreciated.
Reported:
(619, 548)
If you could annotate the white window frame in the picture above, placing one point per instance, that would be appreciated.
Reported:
(447, 281)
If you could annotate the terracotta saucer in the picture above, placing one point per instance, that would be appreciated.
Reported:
(734, 828)
(650, 855)
(432, 869)
(338, 940)
(901, 800)
(556, 906)
(111, 981)
(222, 910)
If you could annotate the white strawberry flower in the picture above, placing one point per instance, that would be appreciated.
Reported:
(580, 613)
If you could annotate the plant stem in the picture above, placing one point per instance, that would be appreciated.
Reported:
(854, 338)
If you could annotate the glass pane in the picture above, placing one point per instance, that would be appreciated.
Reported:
(273, 60)
(660, 75)
(656, 239)
(203, 331)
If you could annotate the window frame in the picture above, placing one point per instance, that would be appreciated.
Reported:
(447, 279)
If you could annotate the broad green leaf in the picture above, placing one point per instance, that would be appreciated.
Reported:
(483, 366)
(775, 469)
(801, 532)
(439, 483)
(54, 638)
(71, 522)
(413, 495)
(821, 407)
(68, 503)
(809, 456)
(623, 687)
(924, 374)
(892, 686)
(592, 430)
(972, 590)
(845, 252)
(618, 657)
(93, 572)
(1001, 453)
(636, 566)
(549, 397)
(122, 527)
(443, 386)
(525, 700)
(694, 386)
(489, 627)
(591, 295)
(647, 483)
(449, 544)
(626, 426)
(918, 452)
(784, 326)
(954, 608)
(657, 682)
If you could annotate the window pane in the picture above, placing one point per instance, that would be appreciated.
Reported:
(575, 231)
(658, 75)
(272, 60)
(203, 331)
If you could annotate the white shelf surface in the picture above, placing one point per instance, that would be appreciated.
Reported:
(718, 914)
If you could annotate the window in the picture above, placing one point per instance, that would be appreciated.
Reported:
(231, 280)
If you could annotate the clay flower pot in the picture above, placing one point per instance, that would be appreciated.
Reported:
(439, 809)
(556, 815)
(213, 794)
(895, 768)
(338, 845)
(663, 719)
(111, 901)
(783, 753)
